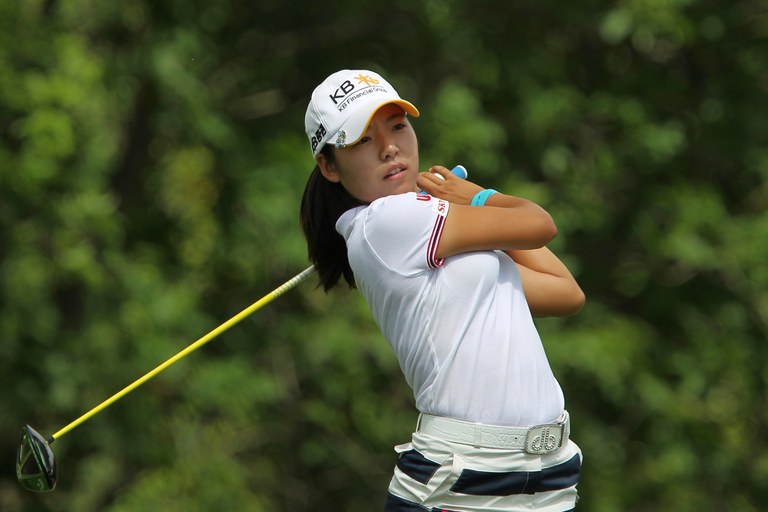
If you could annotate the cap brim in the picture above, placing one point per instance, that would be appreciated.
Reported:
(355, 127)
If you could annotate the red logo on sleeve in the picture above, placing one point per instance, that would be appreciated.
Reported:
(440, 207)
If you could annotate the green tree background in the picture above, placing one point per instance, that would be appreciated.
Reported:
(152, 159)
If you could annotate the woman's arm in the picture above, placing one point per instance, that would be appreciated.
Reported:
(505, 222)
(515, 225)
(549, 287)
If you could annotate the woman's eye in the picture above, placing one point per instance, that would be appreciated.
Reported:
(363, 140)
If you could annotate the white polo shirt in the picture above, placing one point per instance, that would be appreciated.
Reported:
(460, 327)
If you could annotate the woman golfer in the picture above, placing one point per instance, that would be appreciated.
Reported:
(452, 277)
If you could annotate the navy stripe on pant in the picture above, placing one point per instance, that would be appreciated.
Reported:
(395, 504)
(485, 483)
(417, 466)
(482, 483)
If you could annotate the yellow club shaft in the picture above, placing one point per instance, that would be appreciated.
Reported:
(277, 292)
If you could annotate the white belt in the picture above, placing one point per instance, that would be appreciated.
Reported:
(536, 440)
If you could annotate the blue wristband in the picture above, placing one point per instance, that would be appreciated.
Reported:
(482, 196)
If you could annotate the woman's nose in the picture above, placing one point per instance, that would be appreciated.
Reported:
(389, 149)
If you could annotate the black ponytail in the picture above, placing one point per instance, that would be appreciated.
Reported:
(322, 204)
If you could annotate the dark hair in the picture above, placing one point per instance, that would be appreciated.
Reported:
(322, 204)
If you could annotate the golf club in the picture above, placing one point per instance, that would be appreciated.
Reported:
(35, 463)
(36, 467)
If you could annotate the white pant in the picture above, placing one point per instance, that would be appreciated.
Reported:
(434, 473)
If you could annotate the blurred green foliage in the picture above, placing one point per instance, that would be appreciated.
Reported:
(152, 159)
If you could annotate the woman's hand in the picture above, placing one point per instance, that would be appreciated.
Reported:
(442, 183)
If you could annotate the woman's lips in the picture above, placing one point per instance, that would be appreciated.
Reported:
(395, 171)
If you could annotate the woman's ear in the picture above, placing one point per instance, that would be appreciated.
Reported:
(328, 169)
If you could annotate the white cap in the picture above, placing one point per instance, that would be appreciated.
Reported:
(342, 107)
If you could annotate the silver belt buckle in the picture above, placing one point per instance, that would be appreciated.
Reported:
(543, 439)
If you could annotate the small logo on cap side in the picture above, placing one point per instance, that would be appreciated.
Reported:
(341, 139)
(317, 138)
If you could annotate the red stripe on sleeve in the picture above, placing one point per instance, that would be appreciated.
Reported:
(434, 241)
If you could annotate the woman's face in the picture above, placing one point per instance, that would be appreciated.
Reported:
(384, 162)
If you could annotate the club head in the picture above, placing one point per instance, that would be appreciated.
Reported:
(35, 465)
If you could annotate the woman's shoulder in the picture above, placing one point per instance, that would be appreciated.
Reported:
(346, 222)
(400, 201)
(389, 212)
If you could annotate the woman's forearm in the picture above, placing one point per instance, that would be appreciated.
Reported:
(549, 287)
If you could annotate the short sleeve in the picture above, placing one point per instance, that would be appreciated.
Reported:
(403, 231)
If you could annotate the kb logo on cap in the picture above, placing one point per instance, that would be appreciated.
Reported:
(347, 87)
